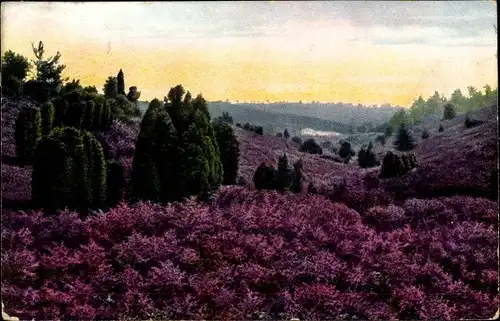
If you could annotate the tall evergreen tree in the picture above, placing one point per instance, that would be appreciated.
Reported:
(69, 170)
(61, 106)
(296, 186)
(47, 115)
(265, 177)
(286, 134)
(27, 133)
(157, 147)
(166, 156)
(145, 178)
(196, 167)
(174, 107)
(283, 179)
(120, 83)
(88, 116)
(346, 151)
(15, 68)
(404, 141)
(48, 80)
(229, 151)
(111, 87)
(366, 157)
(449, 111)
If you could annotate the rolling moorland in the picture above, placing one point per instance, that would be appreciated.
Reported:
(348, 244)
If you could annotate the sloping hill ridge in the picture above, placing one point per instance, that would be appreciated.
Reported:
(458, 160)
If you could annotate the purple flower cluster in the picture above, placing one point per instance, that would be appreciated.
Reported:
(16, 185)
(119, 142)
(255, 255)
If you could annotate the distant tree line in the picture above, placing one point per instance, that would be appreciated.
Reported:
(448, 107)
(253, 128)
(226, 118)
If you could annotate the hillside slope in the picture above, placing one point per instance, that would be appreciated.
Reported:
(458, 160)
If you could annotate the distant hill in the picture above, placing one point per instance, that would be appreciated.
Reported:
(350, 114)
(340, 118)
(275, 122)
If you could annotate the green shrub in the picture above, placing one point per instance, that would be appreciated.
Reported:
(310, 146)
(366, 157)
(449, 111)
(229, 151)
(47, 113)
(265, 177)
(69, 171)
(404, 142)
(395, 165)
(296, 186)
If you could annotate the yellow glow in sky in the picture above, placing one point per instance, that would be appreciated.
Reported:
(160, 45)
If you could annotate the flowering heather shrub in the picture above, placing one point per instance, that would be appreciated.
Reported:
(253, 254)
(16, 186)
(121, 139)
(119, 144)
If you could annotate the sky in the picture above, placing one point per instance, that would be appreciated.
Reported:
(368, 52)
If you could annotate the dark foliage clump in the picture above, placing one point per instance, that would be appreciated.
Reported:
(69, 170)
(229, 151)
(286, 134)
(177, 154)
(425, 134)
(296, 184)
(47, 112)
(120, 83)
(15, 68)
(404, 142)
(397, 164)
(115, 183)
(310, 146)
(281, 179)
(367, 158)
(27, 134)
(226, 118)
(256, 129)
(265, 177)
(346, 151)
(441, 128)
(449, 111)
(133, 94)
(259, 130)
